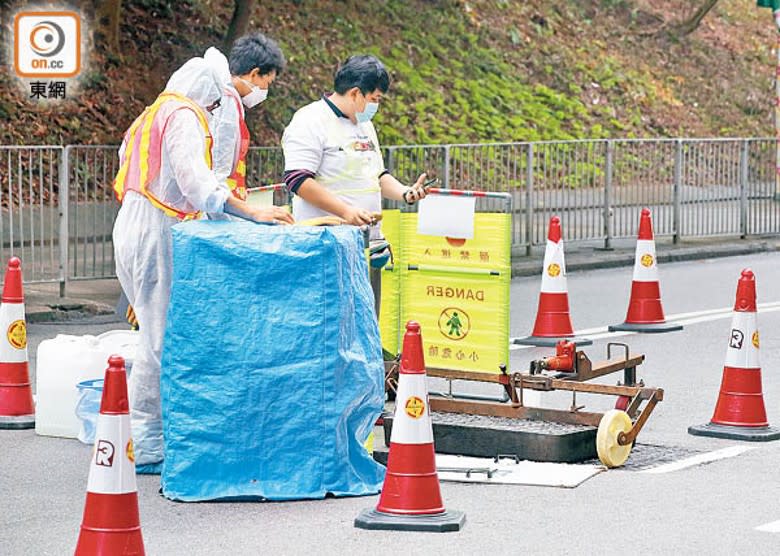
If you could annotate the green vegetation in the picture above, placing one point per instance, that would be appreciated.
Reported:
(463, 70)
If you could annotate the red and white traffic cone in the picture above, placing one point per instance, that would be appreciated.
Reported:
(553, 322)
(111, 523)
(645, 312)
(740, 413)
(411, 499)
(17, 410)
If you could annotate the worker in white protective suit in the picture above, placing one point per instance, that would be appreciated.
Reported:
(165, 177)
(255, 62)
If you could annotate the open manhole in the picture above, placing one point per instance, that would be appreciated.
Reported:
(488, 437)
(485, 436)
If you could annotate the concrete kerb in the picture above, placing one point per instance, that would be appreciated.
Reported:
(70, 310)
(591, 258)
(85, 299)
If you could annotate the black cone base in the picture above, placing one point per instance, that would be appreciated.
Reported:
(751, 434)
(648, 328)
(444, 522)
(17, 422)
(550, 342)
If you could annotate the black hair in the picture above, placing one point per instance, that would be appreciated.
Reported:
(256, 51)
(365, 72)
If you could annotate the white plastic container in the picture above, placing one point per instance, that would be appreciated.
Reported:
(62, 363)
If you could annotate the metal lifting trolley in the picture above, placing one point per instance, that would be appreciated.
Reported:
(569, 370)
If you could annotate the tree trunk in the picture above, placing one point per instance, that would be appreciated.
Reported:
(107, 15)
(691, 24)
(238, 23)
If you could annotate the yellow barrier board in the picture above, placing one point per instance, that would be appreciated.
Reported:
(389, 311)
(463, 319)
(458, 290)
(489, 249)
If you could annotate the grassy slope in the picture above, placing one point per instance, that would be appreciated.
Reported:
(463, 71)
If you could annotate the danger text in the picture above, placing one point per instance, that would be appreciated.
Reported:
(455, 293)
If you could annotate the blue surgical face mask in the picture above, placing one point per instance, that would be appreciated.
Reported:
(368, 112)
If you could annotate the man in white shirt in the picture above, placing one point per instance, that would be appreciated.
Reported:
(332, 159)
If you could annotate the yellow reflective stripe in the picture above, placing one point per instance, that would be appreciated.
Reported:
(145, 121)
(146, 131)
(201, 118)
(241, 168)
(121, 176)
(146, 138)
(173, 213)
(209, 145)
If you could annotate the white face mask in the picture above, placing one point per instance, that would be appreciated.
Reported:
(255, 96)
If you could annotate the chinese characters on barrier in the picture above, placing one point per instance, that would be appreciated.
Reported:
(462, 254)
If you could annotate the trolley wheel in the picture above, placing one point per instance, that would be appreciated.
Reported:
(611, 425)
(622, 403)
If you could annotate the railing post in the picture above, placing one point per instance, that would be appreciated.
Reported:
(608, 197)
(390, 161)
(743, 188)
(63, 203)
(445, 178)
(676, 191)
(529, 197)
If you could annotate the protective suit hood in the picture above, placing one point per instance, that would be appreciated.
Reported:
(218, 63)
(198, 80)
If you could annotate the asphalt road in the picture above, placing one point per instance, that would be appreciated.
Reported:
(706, 509)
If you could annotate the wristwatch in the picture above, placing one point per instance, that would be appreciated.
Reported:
(408, 202)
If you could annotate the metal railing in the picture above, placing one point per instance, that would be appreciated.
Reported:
(30, 219)
(694, 187)
(58, 207)
(92, 209)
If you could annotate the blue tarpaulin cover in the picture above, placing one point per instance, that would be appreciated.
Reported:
(272, 373)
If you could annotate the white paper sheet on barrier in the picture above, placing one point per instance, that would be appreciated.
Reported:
(463, 469)
(449, 216)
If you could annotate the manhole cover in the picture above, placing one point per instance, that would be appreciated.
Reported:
(647, 456)
(507, 424)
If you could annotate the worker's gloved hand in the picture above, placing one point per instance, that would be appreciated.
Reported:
(379, 253)
(274, 215)
(358, 217)
(417, 191)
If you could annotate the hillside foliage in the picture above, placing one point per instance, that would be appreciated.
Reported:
(462, 70)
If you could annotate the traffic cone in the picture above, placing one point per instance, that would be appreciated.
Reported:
(410, 499)
(111, 523)
(740, 413)
(553, 322)
(16, 402)
(645, 312)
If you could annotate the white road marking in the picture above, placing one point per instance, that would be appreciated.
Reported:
(699, 459)
(508, 472)
(773, 527)
(694, 317)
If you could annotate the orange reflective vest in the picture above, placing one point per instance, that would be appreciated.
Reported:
(140, 163)
(237, 180)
